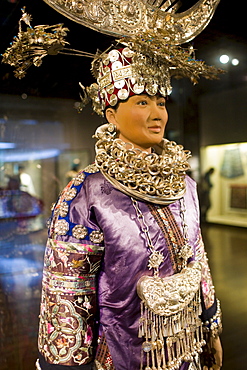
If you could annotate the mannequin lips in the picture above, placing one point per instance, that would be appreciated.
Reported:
(154, 129)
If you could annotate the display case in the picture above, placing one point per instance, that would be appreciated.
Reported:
(228, 191)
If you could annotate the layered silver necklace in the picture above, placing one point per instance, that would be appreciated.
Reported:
(156, 178)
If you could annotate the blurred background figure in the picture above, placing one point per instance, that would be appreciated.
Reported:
(13, 182)
(74, 170)
(204, 188)
(26, 183)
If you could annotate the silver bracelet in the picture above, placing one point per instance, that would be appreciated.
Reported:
(214, 325)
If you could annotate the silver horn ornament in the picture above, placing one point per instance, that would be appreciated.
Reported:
(122, 17)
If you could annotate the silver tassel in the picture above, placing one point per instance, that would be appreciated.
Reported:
(169, 341)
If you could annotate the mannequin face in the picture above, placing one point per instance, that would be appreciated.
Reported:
(141, 120)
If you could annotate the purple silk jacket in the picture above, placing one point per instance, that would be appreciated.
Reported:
(96, 253)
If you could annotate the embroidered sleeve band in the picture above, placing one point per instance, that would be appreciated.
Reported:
(68, 302)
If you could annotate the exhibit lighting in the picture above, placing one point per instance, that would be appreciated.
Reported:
(4, 145)
(224, 59)
(235, 62)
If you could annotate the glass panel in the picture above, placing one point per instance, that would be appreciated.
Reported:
(41, 142)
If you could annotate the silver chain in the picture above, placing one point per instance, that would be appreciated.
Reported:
(156, 258)
(144, 226)
(182, 215)
(186, 251)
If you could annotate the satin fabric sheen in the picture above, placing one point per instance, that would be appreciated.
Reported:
(100, 205)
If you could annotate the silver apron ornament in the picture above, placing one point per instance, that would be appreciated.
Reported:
(170, 308)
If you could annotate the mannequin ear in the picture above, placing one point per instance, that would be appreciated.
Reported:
(110, 115)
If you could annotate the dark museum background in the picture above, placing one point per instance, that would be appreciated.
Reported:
(41, 130)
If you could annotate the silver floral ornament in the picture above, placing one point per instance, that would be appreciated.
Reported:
(63, 209)
(79, 232)
(61, 227)
(79, 179)
(96, 236)
(70, 194)
(155, 260)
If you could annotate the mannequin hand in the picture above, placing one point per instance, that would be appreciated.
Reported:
(215, 346)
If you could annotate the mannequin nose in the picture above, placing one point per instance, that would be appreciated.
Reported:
(156, 113)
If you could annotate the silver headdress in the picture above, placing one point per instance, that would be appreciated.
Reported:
(124, 17)
(147, 53)
(30, 46)
(142, 63)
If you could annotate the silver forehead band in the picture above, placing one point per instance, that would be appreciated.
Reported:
(123, 77)
(117, 75)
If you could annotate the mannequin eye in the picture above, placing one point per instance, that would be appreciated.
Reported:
(142, 102)
(162, 103)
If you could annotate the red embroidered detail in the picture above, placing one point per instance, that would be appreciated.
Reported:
(103, 356)
(171, 231)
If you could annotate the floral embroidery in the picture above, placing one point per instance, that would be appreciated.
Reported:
(88, 335)
(77, 264)
(106, 188)
(67, 334)
(63, 256)
(62, 342)
(50, 328)
(68, 302)
(205, 288)
(86, 303)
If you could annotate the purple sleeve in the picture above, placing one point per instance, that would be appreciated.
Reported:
(68, 322)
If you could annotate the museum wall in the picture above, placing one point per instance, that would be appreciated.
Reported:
(223, 138)
(223, 117)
